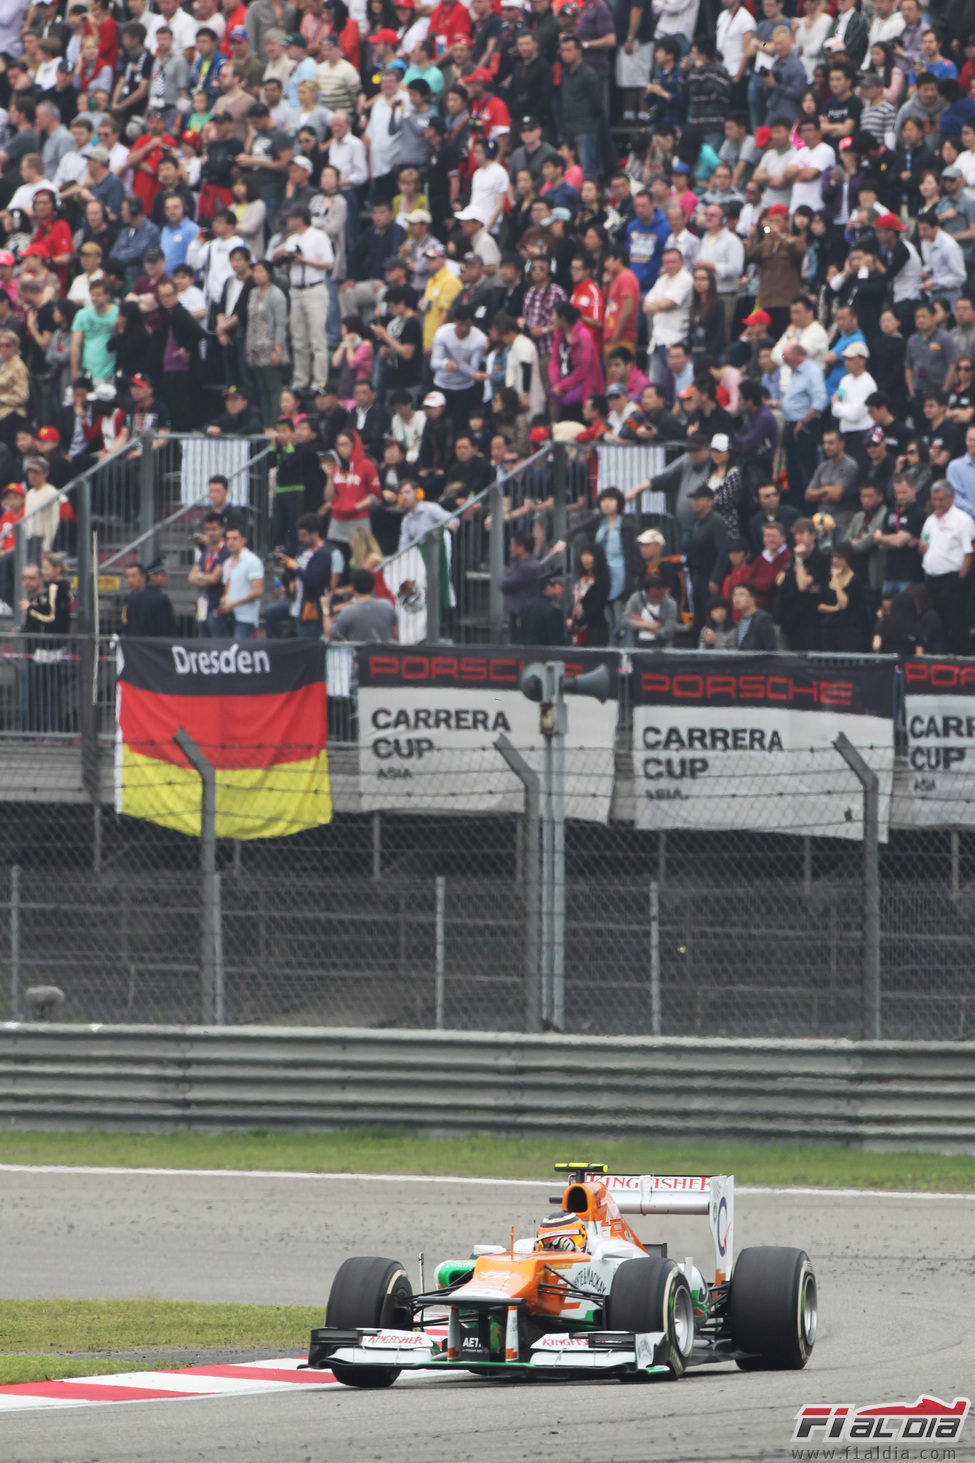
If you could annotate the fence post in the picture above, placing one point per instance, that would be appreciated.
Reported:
(211, 933)
(147, 507)
(655, 1021)
(560, 490)
(439, 959)
(528, 777)
(870, 783)
(15, 942)
(88, 658)
(496, 563)
(431, 546)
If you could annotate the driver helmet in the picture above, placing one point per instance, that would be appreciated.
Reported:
(562, 1232)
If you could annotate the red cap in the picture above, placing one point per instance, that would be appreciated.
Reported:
(48, 434)
(139, 380)
(15, 488)
(480, 73)
(385, 37)
(6, 257)
(757, 317)
(538, 435)
(763, 136)
(777, 210)
(890, 221)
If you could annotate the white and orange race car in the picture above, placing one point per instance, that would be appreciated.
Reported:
(583, 1296)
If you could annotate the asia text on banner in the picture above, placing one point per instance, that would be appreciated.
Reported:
(746, 741)
(428, 720)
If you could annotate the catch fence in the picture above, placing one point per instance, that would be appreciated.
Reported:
(427, 918)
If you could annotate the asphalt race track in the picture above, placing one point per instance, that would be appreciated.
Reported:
(895, 1275)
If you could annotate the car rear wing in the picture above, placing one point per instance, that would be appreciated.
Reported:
(670, 1193)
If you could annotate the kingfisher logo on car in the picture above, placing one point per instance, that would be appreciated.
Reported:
(397, 1338)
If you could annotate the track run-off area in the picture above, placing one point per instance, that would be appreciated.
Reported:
(896, 1276)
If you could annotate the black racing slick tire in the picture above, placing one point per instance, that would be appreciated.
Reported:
(368, 1291)
(650, 1294)
(773, 1308)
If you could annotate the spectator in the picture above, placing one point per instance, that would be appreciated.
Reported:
(206, 575)
(366, 618)
(754, 630)
(519, 584)
(843, 606)
(767, 571)
(802, 406)
(947, 538)
(456, 360)
(148, 610)
(243, 587)
(796, 607)
(542, 618)
(649, 620)
(832, 487)
(589, 621)
(707, 553)
(719, 632)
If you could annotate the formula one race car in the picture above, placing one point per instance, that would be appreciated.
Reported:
(582, 1297)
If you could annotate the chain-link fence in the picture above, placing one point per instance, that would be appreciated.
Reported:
(430, 917)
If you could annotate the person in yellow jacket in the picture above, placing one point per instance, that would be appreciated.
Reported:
(442, 288)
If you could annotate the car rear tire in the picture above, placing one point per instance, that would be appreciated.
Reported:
(773, 1308)
(368, 1291)
(650, 1294)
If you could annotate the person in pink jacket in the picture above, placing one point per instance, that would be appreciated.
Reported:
(574, 369)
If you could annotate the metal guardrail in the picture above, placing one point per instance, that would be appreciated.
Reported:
(887, 1094)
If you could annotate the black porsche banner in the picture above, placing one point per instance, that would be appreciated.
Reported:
(746, 741)
(258, 712)
(428, 720)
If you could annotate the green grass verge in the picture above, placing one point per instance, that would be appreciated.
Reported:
(480, 1155)
(32, 1329)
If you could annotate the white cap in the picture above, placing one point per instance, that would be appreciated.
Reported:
(469, 212)
(435, 398)
(856, 348)
(721, 442)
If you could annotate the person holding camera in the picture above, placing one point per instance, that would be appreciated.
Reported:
(309, 256)
(779, 256)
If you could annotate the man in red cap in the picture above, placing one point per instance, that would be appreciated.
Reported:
(11, 512)
(902, 264)
(489, 115)
(779, 257)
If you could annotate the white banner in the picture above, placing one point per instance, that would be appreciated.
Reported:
(746, 742)
(429, 717)
(207, 457)
(937, 788)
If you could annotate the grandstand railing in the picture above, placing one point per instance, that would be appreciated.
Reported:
(469, 608)
(151, 479)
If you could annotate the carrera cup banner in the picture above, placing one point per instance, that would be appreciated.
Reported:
(428, 720)
(745, 741)
(937, 789)
(256, 709)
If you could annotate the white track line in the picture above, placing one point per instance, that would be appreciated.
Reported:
(788, 1190)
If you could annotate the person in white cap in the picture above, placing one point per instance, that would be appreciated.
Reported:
(417, 247)
(478, 240)
(849, 401)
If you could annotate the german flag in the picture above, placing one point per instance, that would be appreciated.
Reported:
(258, 712)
